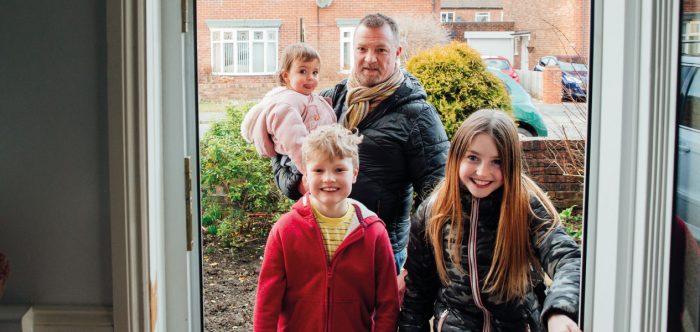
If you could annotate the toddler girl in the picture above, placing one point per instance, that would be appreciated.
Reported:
(281, 121)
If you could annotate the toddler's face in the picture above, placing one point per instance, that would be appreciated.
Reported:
(302, 77)
(480, 168)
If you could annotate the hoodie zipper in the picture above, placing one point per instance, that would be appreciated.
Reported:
(329, 277)
(329, 265)
(473, 267)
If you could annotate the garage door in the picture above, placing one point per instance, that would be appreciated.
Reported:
(491, 42)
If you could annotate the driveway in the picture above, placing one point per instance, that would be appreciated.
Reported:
(565, 120)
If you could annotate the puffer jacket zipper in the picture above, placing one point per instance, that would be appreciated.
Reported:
(443, 317)
(473, 267)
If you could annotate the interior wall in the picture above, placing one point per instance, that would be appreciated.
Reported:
(54, 191)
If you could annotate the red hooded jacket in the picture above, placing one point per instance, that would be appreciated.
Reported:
(299, 290)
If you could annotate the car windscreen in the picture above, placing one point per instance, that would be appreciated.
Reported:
(497, 63)
(567, 66)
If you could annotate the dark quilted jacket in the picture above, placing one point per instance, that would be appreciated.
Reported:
(404, 149)
(454, 307)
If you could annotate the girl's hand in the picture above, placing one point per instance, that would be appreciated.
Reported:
(561, 323)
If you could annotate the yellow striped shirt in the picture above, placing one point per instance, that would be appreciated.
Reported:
(333, 229)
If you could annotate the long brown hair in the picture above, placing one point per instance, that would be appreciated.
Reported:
(508, 278)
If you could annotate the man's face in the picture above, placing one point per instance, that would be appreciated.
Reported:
(376, 53)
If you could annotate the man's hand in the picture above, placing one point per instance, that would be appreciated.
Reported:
(402, 284)
(302, 186)
(561, 323)
(328, 100)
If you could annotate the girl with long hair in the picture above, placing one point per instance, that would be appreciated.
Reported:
(480, 242)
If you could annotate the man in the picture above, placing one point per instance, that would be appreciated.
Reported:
(404, 147)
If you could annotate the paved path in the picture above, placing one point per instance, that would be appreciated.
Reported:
(206, 119)
(565, 119)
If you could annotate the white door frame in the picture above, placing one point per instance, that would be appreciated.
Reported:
(629, 184)
(151, 103)
(126, 98)
(630, 173)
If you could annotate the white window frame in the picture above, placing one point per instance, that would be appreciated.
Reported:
(446, 17)
(266, 41)
(343, 41)
(482, 15)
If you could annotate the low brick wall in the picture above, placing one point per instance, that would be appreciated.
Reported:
(557, 166)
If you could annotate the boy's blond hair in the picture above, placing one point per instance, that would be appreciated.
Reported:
(331, 142)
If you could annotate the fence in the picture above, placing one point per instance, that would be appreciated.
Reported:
(531, 81)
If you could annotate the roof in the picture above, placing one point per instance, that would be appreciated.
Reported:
(472, 4)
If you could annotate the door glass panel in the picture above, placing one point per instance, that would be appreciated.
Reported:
(684, 277)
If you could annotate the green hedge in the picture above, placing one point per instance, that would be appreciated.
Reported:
(240, 200)
(457, 83)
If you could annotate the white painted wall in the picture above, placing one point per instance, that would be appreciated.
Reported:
(54, 193)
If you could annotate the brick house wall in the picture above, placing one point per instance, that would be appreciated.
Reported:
(457, 29)
(320, 28)
(549, 163)
(690, 6)
(558, 27)
(469, 14)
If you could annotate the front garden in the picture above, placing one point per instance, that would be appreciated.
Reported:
(240, 200)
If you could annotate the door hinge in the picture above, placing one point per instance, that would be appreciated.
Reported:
(188, 201)
(184, 13)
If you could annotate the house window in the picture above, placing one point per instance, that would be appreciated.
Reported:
(690, 38)
(346, 51)
(447, 17)
(244, 51)
(482, 17)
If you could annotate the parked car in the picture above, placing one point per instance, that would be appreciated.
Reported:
(527, 116)
(501, 63)
(574, 75)
(687, 177)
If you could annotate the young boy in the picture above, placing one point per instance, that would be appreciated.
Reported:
(328, 263)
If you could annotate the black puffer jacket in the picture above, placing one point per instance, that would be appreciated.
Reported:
(404, 149)
(454, 307)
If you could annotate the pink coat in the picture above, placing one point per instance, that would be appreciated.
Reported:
(281, 121)
(299, 290)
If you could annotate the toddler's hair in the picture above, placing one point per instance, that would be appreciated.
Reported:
(331, 142)
(299, 51)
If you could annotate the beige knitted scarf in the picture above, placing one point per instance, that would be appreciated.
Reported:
(361, 100)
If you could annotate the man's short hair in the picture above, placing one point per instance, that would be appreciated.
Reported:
(331, 142)
(377, 20)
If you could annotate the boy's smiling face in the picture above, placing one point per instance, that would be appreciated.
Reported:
(330, 183)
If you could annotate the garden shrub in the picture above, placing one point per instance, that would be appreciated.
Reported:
(240, 200)
(457, 83)
(572, 223)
